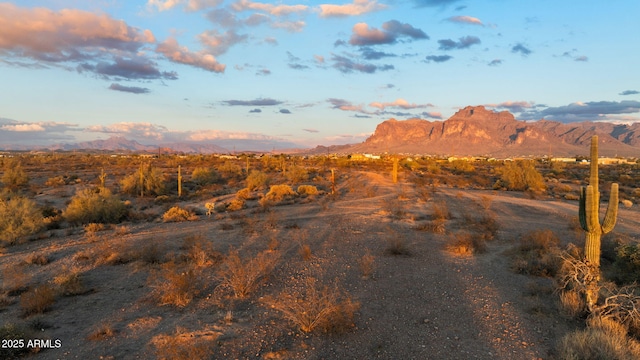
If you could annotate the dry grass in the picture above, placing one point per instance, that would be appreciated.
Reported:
(102, 332)
(436, 226)
(184, 345)
(572, 303)
(596, 343)
(441, 211)
(14, 279)
(465, 244)
(537, 254)
(38, 300)
(242, 276)
(315, 307)
(37, 259)
(305, 252)
(367, 265)
(69, 282)
(397, 245)
(175, 285)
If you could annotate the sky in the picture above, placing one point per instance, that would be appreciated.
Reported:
(298, 73)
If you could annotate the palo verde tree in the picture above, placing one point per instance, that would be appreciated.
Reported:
(590, 221)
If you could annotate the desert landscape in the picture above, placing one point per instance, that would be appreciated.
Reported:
(308, 257)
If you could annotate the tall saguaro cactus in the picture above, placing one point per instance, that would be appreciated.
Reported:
(589, 214)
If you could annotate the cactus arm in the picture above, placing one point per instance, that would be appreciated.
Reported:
(612, 210)
(582, 214)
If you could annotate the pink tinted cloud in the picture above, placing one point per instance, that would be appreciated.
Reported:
(358, 7)
(68, 34)
(181, 54)
(399, 103)
(466, 20)
(191, 5)
(365, 35)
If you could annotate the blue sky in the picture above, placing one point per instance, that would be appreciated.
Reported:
(305, 73)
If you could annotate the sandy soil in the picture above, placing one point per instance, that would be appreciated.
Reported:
(428, 304)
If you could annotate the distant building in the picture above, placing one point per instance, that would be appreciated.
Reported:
(566, 160)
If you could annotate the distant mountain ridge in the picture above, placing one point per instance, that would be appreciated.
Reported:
(477, 131)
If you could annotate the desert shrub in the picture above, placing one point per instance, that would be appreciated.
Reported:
(69, 282)
(204, 176)
(244, 194)
(441, 211)
(91, 228)
(14, 176)
(10, 331)
(55, 181)
(466, 244)
(257, 180)
(537, 254)
(297, 174)
(14, 279)
(596, 343)
(305, 252)
(307, 190)
(367, 265)
(185, 345)
(230, 170)
(37, 259)
(461, 166)
(315, 307)
(436, 226)
(102, 331)
(622, 305)
(147, 180)
(236, 204)
(626, 267)
(175, 285)
(397, 245)
(243, 276)
(573, 303)
(278, 193)
(19, 217)
(95, 206)
(37, 300)
(520, 175)
(178, 214)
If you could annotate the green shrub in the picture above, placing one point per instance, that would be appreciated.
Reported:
(14, 176)
(626, 267)
(297, 174)
(18, 217)
(147, 180)
(257, 180)
(204, 176)
(95, 206)
(520, 176)
(230, 170)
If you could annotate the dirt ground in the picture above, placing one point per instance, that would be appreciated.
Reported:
(424, 304)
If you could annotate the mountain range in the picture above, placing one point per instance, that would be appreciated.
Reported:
(476, 131)
(472, 131)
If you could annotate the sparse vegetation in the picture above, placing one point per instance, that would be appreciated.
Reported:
(178, 214)
(19, 217)
(242, 277)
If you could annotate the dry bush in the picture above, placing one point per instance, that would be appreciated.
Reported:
(487, 227)
(243, 276)
(466, 244)
(184, 345)
(14, 279)
(623, 306)
(367, 265)
(92, 228)
(441, 211)
(245, 194)
(572, 303)
(95, 206)
(200, 252)
(395, 208)
(178, 214)
(37, 300)
(37, 259)
(175, 285)
(236, 204)
(575, 274)
(19, 217)
(537, 254)
(596, 343)
(278, 194)
(69, 282)
(122, 230)
(308, 190)
(305, 252)
(486, 201)
(397, 245)
(607, 325)
(102, 332)
(315, 307)
(436, 226)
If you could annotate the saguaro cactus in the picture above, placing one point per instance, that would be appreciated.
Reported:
(394, 172)
(589, 211)
(179, 182)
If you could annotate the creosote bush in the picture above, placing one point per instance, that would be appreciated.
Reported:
(175, 285)
(19, 217)
(242, 276)
(312, 306)
(520, 175)
(95, 206)
(178, 214)
(257, 180)
(278, 194)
